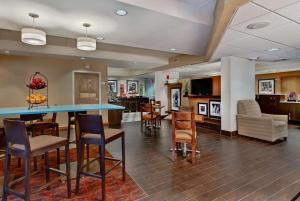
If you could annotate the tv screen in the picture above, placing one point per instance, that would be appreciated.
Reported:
(202, 87)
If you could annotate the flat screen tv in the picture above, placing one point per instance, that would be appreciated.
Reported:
(202, 87)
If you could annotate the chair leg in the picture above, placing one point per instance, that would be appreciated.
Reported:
(123, 157)
(69, 132)
(173, 151)
(88, 156)
(67, 160)
(80, 156)
(27, 179)
(6, 176)
(35, 164)
(47, 175)
(19, 162)
(58, 158)
(102, 170)
(193, 153)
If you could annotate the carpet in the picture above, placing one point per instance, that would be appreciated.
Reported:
(90, 188)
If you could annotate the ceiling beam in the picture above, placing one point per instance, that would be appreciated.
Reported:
(224, 11)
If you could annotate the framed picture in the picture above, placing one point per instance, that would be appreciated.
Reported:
(215, 108)
(266, 86)
(113, 86)
(175, 99)
(132, 86)
(203, 109)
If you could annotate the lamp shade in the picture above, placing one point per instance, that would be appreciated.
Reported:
(86, 43)
(33, 36)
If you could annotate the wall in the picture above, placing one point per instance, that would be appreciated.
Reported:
(16, 70)
(284, 81)
(149, 88)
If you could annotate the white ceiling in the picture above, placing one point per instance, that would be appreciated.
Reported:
(150, 24)
(283, 31)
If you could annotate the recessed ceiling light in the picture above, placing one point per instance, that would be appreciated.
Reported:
(173, 49)
(258, 25)
(82, 58)
(272, 49)
(87, 66)
(100, 38)
(6, 51)
(121, 12)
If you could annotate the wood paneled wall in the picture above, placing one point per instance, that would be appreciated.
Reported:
(284, 82)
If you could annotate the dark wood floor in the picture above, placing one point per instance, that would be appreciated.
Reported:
(228, 169)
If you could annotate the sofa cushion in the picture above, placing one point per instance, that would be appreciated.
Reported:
(249, 108)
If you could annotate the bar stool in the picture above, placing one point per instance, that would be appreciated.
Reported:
(19, 144)
(72, 120)
(91, 131)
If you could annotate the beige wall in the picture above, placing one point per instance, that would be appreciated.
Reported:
(16, 70)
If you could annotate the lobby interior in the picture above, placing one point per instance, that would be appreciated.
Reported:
(229, 67)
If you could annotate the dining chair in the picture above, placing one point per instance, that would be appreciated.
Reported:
(91, 131)
(39, 126)
(157, 112)
(19, 144)
(147, 115)
(184, 131)
(72, 119)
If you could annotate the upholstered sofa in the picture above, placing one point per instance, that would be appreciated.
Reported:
(252, 123)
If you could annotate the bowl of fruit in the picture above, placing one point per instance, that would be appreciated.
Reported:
(36, 98)
(37, 83)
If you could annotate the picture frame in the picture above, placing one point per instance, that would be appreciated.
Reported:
(175, 99)
(215, 109)
(132, 86)
(203, 109)
(266, 86)
(113, 86)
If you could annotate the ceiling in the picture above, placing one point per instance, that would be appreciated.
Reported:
(156, 25)
(283, 32)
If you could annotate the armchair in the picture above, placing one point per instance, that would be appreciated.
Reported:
(252, 123)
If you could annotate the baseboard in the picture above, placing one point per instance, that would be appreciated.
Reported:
(229, 133)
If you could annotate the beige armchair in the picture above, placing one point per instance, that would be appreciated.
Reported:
(252, 123)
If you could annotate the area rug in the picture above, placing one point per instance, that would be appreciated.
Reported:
(90, 188)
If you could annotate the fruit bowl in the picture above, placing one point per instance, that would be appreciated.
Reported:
(36, 99)
(37, 83)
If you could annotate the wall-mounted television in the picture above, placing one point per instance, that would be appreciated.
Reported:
(202, 87)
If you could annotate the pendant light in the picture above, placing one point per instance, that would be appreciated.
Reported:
(33, 36)
(86, 43)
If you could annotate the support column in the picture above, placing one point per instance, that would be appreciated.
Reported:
(160, 89)
(237, 83)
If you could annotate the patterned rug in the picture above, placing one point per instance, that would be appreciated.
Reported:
(90, 188)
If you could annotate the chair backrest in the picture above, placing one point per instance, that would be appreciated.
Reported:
(90, 123)
(15, 133)
(32, 117)
(73, 114)
(146, 107)
(248, 107)
(183, 120)
(186, 109)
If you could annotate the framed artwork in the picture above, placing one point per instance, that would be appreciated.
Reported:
(215, 108)
(132, 86)
(266, 86)
(113, 86)
(203, 109)
(175, 99)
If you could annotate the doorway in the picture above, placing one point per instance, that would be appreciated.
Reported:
(86, 87)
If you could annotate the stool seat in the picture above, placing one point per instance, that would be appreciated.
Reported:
(110, 135)
(42, 143)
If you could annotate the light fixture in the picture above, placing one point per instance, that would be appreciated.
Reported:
(82, 58)
(100, 38)
(7, 52)
(33, 36)
(272, 49)
(173, 49)
(121, 12)
(86, 43)
(258, 25)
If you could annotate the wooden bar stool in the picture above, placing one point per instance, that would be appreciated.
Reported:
(91, 131)
(19, 144)
(149, 117)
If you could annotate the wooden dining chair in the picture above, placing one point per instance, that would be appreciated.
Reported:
(184, 131)
(147, 115)
(19, 144)
(91, 131)
(157, 112)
